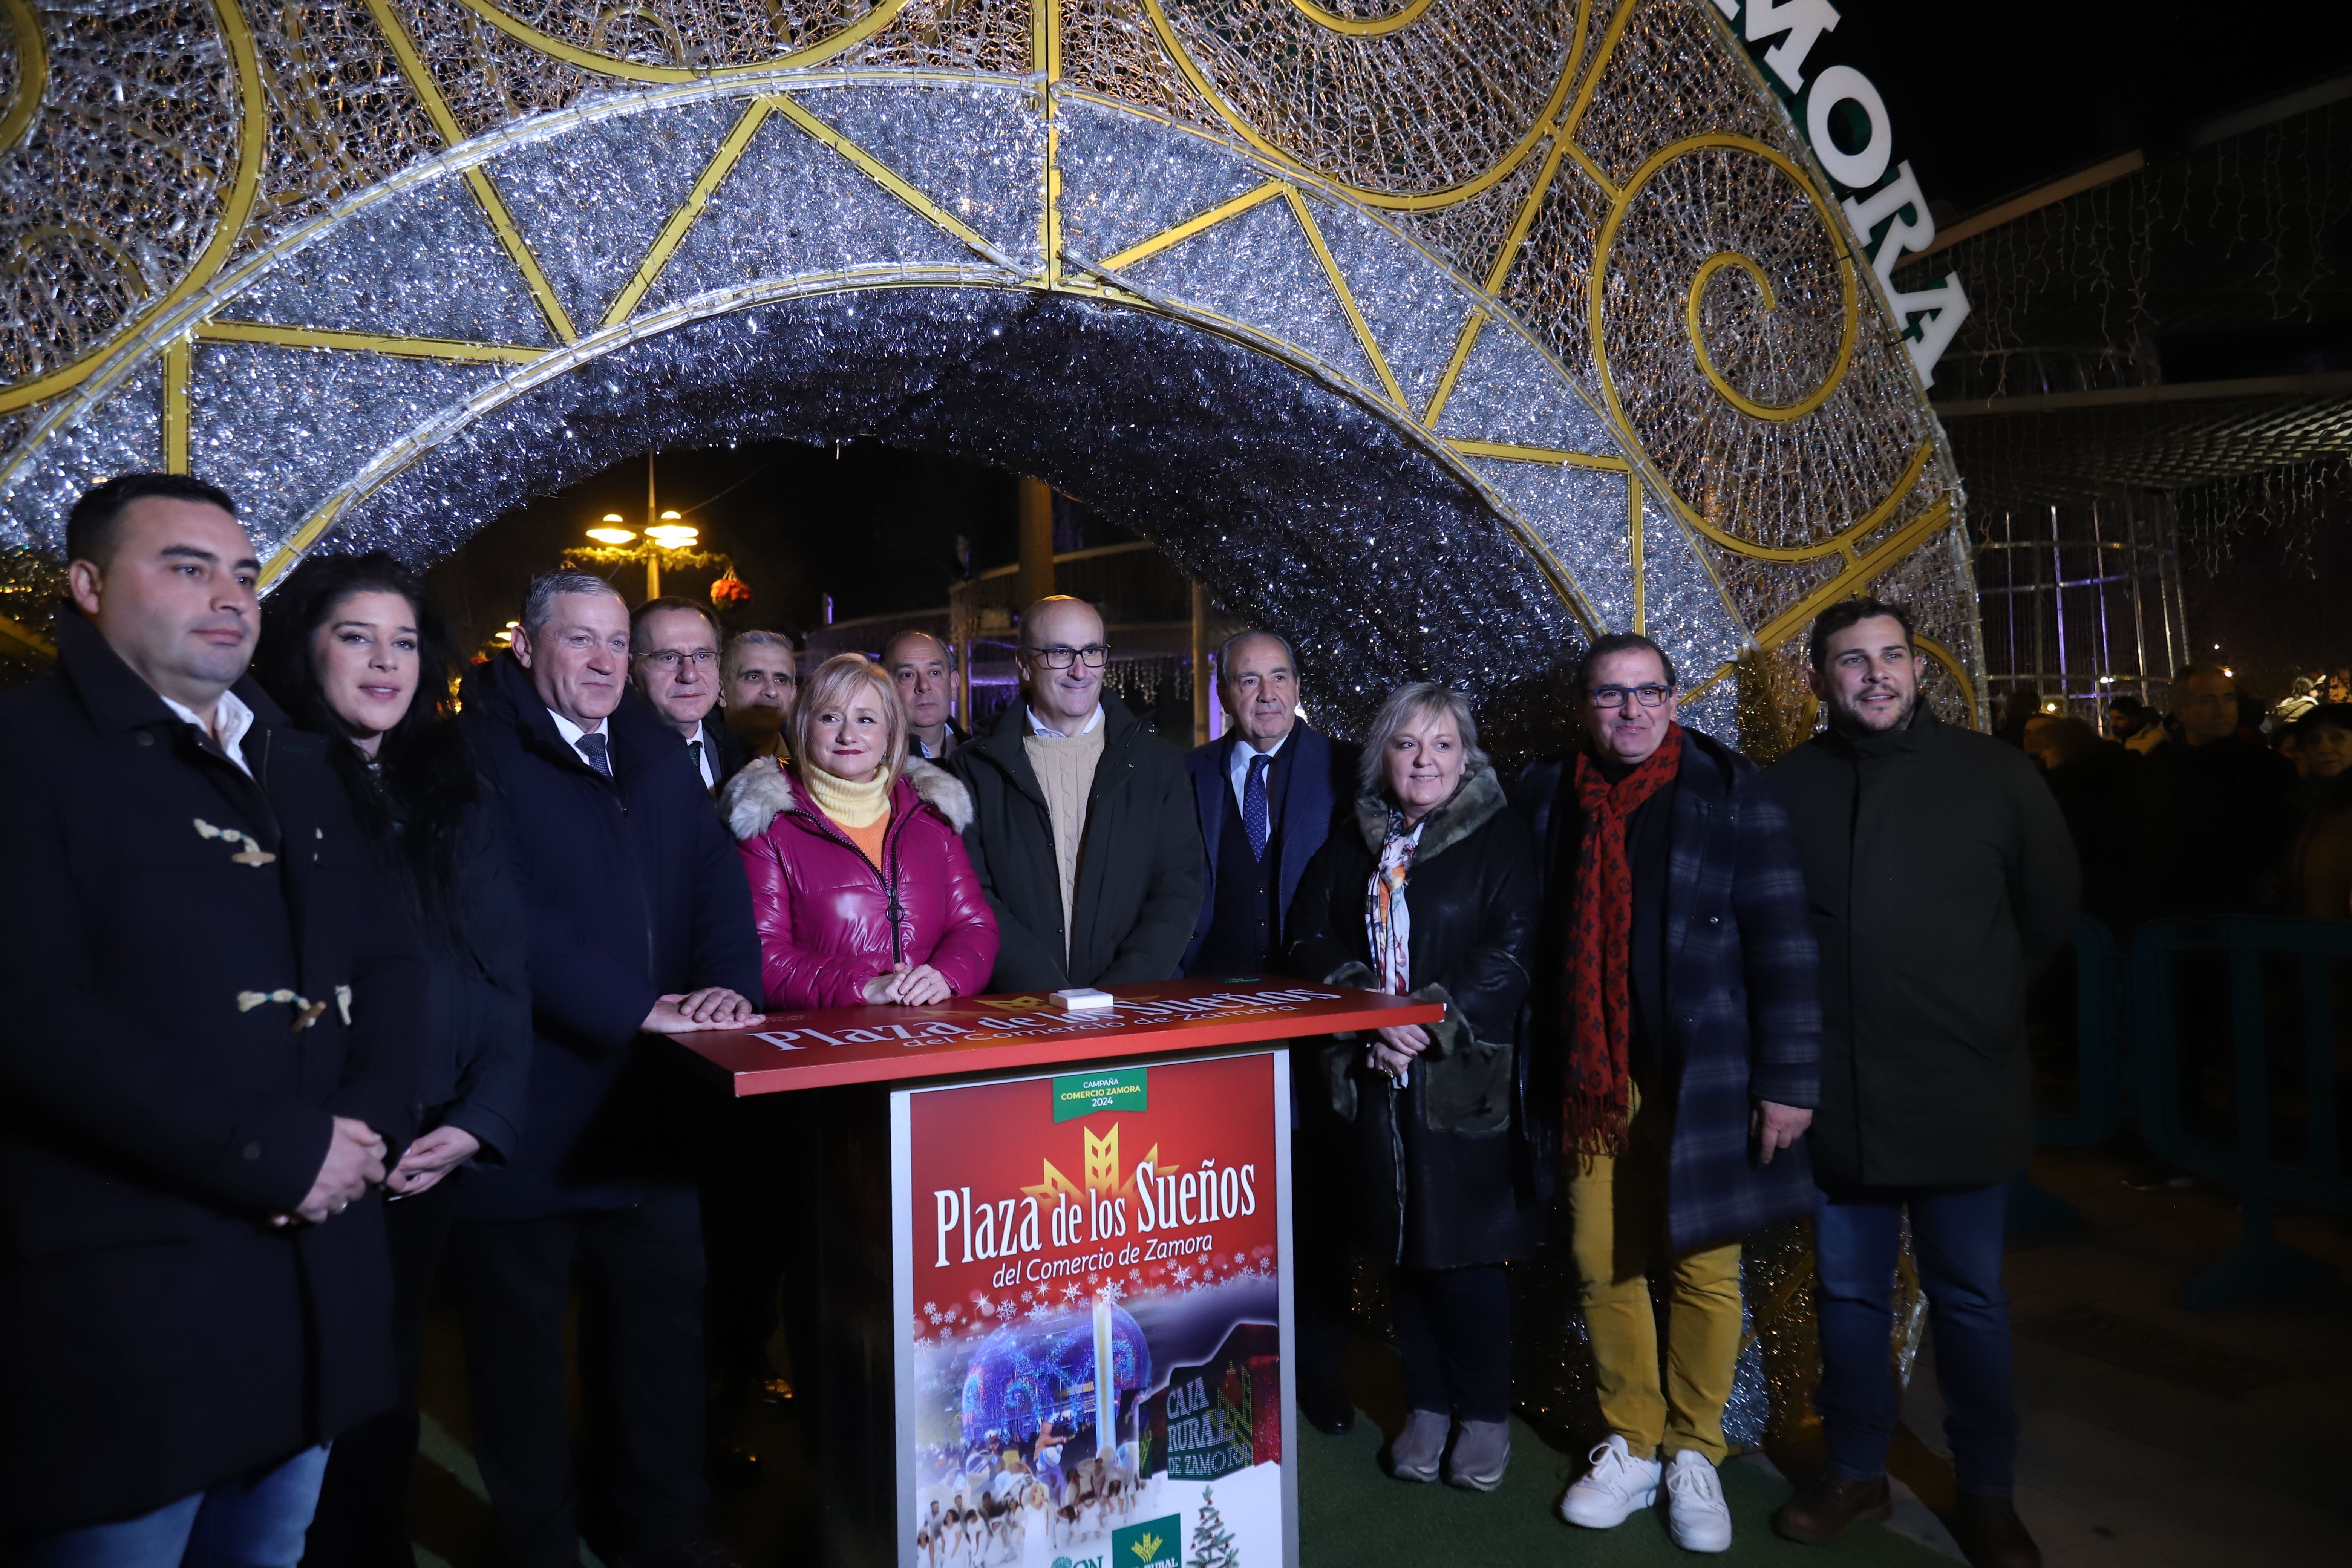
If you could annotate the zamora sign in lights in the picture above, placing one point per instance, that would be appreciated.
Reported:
(1845, 121)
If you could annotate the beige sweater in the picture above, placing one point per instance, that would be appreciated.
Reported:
(1066, 771)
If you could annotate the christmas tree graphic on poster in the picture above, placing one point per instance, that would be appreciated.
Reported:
(1095, 1326)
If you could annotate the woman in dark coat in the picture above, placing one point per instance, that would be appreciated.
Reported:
(354, 647)
(1431, 891)
(860, 886)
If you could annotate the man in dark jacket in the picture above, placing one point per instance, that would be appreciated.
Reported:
(1265, 792)
(2217, 808)
(1679, 985)
(1083, 831)
(640, 923)
(674, 658)
(1941, 879)
(208, 1052)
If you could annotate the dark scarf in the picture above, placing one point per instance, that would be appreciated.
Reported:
(1599, 948)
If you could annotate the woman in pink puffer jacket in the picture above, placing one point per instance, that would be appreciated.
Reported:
(860, 886)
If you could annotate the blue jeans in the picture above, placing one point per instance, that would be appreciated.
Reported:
(1955, 1235)
(255, 1521)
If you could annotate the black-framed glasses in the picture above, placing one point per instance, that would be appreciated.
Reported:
(1618, 696)
(1093, 656)
(670, 658)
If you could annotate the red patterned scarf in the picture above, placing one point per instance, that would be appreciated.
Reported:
(1599, 948)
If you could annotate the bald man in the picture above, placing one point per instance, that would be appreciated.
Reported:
(1083, 829)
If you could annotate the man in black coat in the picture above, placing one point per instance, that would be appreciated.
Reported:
(1941, 877)
(2217, 814)
(1265, 792)
(640, 924)
(1677, 981)
(207, 1058)
(1083, 829)
(674, 658)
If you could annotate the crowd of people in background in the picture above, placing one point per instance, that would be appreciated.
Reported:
(326, 981)
(2210, 805)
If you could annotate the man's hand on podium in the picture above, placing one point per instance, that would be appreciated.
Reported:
(712, 1007)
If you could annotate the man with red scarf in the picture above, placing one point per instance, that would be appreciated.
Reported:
(1682, 1006)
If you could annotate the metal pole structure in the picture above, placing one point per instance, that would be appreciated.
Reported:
(653, 551)
(2103, 677)
(1036, 541)
(2058, 600)
(1200, 663)
(2137, 524)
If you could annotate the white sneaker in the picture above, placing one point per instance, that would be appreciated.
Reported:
(1696, 1511)
(1616, 1486)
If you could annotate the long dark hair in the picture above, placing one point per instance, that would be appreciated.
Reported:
(414, 807)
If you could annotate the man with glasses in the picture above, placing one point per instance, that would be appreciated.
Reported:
(1675, 981)
(1083, 830)
(1940, 878)
(674, 659)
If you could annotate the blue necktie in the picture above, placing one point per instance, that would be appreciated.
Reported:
(593, 746)
(1253, 816)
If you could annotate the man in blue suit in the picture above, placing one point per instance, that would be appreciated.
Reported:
(1266, 792)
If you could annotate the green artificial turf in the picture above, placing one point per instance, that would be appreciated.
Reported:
(1351, 1515)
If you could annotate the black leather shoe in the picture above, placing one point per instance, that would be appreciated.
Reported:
(1329, 1410)
(1990, 1534)
(1830, 1506)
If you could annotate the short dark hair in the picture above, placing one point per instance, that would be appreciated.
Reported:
(653, 607)
(90, 526)
(1617, 642)
(1853, 612)
(2327, 715)
(2191, 671)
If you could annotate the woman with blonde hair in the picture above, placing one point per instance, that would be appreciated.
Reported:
(1431, 891)
(860, 886)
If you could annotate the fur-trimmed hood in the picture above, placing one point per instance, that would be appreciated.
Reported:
(1474, 802)
(754, 797)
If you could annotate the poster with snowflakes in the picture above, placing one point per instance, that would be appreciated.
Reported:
(1092, 1306)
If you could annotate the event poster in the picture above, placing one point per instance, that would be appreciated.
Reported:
(1092, 1362)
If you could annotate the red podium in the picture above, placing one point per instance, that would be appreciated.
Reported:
(1052, 1256)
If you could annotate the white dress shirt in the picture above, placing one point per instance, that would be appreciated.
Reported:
(710, 756)
(572, 734)
(1237, 768)
(234, 718)
(1088, 728)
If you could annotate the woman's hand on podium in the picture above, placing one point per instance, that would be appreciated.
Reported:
(712, 1007)
(919, 986)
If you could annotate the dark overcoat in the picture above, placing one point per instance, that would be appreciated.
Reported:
(157, 1333)
(474, 1071)
(1315, 783)
(1442, 1173)
(1742, 997)
(1139, 886)
(1940, 879)
(632, 890)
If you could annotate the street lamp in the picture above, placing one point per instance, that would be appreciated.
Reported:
(672, 536)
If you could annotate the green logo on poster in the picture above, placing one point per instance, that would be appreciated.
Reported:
(1151, 1544)
(1084, 1093)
